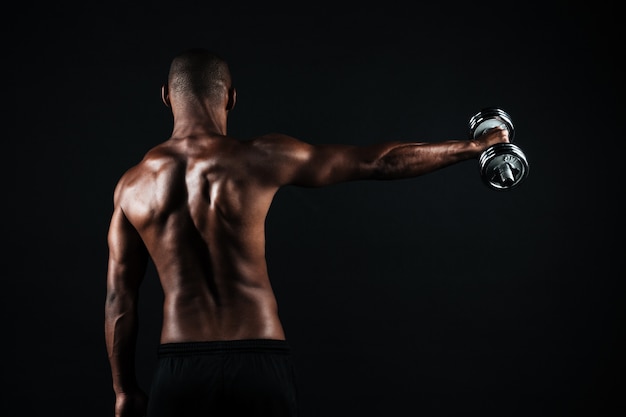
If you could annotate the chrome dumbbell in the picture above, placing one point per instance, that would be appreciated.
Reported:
(502, 166)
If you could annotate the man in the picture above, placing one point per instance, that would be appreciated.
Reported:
(196, 206)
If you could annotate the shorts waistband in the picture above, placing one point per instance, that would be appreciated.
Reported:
(224, 346)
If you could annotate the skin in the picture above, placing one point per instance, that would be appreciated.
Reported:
(196, 206)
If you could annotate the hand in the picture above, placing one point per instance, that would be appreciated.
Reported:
(493, 136)
(133, 404)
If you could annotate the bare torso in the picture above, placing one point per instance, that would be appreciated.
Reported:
(199, 204)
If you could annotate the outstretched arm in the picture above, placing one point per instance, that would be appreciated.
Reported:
(319, 165)
(127, 265)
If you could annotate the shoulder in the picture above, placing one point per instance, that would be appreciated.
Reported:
(158, 162)
(273, 139)
(279, 144)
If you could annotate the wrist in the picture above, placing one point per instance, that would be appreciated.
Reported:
(475, 148)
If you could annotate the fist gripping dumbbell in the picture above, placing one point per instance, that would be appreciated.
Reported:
(502, 166)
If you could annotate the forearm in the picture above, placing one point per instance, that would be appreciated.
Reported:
(121, 336)
(406, 160)
(320, 165)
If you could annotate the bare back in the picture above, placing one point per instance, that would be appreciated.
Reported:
(199, 205)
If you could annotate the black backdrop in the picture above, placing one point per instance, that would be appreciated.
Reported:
(433, 296)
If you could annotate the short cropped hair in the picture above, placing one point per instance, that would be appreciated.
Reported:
(200, 73)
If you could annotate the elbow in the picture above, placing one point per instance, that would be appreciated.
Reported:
(378, 170)
(117, 302)
(112, 297)
(112, 305)
(385, 169)
(387, 163)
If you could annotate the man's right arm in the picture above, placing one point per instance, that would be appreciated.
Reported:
(126, 267)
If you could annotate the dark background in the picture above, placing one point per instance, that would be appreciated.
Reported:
(433, 296)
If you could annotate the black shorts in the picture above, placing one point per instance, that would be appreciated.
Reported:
(224, 378)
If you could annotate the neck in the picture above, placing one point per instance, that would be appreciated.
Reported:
(193, 126)
(195, 120)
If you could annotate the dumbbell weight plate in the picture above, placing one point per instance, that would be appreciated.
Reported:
(503, 166)
(488, 119)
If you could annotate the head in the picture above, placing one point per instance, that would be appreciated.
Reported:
(199, 75)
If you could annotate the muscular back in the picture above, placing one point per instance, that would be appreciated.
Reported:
(199, 205)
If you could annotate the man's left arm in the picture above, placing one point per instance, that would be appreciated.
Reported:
(128, 258)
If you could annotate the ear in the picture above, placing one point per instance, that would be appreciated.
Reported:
(165, 95)
(232, 98)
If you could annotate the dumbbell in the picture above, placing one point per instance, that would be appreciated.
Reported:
(503, 166)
